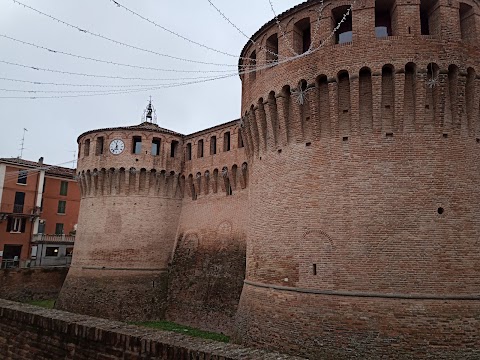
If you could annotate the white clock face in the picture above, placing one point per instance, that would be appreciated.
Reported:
(117, 146)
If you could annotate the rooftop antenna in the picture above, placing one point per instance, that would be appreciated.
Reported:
(74, 158)
(23, 143)
(150, 114)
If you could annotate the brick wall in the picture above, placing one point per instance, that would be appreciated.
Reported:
(208, 270)
(28, 332)
(363, 238)
(31, 284)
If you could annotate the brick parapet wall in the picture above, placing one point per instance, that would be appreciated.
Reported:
(28, 332)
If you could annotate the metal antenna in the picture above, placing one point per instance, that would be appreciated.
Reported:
(74, 158)
(23, 143)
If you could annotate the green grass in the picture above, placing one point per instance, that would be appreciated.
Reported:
(47, 304)
(181, 329)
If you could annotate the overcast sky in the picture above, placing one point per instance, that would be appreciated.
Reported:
(54, 124)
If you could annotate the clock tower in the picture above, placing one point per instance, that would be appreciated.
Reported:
(131, 193)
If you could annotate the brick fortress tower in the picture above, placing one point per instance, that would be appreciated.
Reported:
(364, 197)
(130, 206)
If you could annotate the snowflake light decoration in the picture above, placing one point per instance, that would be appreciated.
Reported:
(300, 94)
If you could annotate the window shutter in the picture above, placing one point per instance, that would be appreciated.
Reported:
(9, 224)
(24, 225)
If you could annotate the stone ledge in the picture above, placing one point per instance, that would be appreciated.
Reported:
(112, 335)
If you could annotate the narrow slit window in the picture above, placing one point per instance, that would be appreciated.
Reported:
(226, 141)
(189, 152)
(240, 140)
(253, 65)
(213, 145)
(86, 149)
(99, 148)
(173, 148)
(200, 149)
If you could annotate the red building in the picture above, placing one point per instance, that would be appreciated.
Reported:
(36, 200)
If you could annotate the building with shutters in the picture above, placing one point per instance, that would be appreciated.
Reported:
(39, 207)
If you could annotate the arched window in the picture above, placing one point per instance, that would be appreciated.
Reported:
(302, 36)
(86, 149)
(253, 65)
(429, 17)
(383, 18)
(467, 22)
(345, 32)
(272, 47)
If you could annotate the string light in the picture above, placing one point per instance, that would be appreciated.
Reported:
(85, 31)
(310, 51)
(171, 31)
(76, 85)
(106, 76)
(241, 32)
(285, 37)
(107, 61)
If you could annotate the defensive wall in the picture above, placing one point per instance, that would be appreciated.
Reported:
(28, 332)
(162, 226)
(350, 186)
(367, 243)
(31, 283)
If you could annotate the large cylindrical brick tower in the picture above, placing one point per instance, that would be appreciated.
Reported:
(364, 225)
(131, 201)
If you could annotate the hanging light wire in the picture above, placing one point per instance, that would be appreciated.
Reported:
(107, 61)
(170, 31)
(104, 76)
(310, 51)
(261, 48)
(284, 35)
(85, 31)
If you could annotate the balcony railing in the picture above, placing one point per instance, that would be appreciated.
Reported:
(19, 209)
(53, 238)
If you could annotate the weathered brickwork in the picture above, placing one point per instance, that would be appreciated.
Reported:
(363, 225)
(28, 332)
(209, 263)
(350, 186)
(138, 207)
(31, 284)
